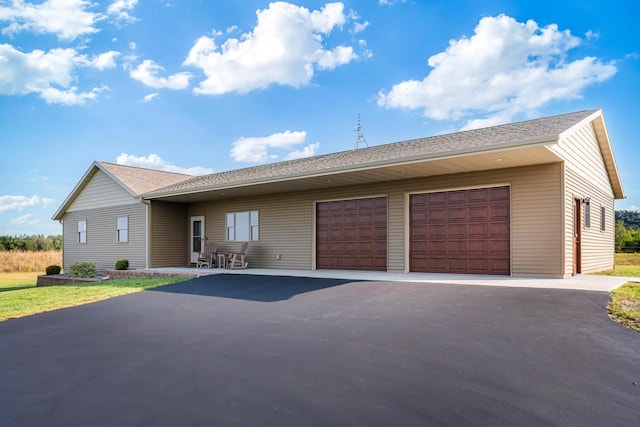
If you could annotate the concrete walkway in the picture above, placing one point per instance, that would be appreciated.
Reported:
(585, 282)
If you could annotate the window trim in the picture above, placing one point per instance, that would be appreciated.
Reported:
(82, 231)
(125, 229)
(249, 228)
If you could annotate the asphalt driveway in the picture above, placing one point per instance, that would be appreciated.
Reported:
(260, 350)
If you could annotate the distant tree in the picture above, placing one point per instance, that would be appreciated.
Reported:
(31, 243)
(630, 219)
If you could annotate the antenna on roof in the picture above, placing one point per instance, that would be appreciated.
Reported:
(360, 139)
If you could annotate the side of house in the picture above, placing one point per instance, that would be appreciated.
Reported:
(589, 197)
(103, 224)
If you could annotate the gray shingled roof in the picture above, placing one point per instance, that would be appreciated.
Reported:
(537, 130)
(142, 180)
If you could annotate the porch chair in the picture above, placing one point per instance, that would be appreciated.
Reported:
(236, 259)
(208, 257)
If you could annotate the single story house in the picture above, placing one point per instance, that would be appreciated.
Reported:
(533, 198)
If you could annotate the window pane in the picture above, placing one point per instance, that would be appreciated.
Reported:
(82, 231)
(254, 218)
(255, 233)
(230, 220)
(122, 222)
(587, 215)
(242, 226)
(122, 228)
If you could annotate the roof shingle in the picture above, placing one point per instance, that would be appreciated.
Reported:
(537, 130)
(142, 180)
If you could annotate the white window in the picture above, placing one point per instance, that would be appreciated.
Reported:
(82, 231)
(243, 226)
(122, 228)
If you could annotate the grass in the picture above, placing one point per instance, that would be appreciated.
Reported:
(21, 302)
(19, 261)
(626, 265)
(18, 280)
(624, 306)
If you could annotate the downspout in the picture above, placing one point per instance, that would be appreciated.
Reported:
(147, 246)
(61, 221)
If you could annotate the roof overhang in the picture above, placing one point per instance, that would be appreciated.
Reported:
(527, 154)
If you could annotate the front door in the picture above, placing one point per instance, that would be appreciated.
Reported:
(196, 242)
(577, 237)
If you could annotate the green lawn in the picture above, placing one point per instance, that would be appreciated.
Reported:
(15, 281)
(626, 265)
(21, 298)
(624, 306)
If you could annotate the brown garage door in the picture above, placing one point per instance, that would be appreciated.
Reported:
(352, 234)
(464, 231)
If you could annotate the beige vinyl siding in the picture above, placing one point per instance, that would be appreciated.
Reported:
(100, 192)
(101, 246)
(581, 153)
(597, 246)
(586, 176)
(286, 220)
(169, 236)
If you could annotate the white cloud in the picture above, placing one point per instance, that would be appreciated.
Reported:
(121, 10)
(102, 61)
(149, 97)
(257, 149)
(49, 74)
(308, 151)
(67, 19)
(147, 71)
(24, 219)
(285, 47)
(20, 203)
(70, 96)
(506, 68)
(359, 27)
(153, 161)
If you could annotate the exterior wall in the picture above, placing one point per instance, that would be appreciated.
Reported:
(101, 246)
(169, 236)
(287, 220)
(101, 192)
(586, 176)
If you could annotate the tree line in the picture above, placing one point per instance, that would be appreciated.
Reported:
(35, 243)
(628, 231)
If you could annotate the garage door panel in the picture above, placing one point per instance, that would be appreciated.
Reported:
(457, 215)
(462, 231)
(437, 215)
(477, 231)
(478, 246)
(356, 231)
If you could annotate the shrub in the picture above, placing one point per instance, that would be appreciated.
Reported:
(122, 264)
(53, 269)
(83, 269)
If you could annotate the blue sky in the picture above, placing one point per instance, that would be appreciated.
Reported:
(207, 86)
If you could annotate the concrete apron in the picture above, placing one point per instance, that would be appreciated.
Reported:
(585, 282)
